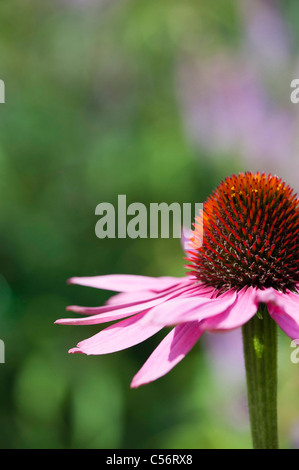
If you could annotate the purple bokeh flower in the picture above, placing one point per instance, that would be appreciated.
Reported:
(237, 102)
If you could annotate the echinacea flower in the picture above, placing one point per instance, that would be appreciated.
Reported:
(248, 255)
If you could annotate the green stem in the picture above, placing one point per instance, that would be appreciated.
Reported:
(260, 351)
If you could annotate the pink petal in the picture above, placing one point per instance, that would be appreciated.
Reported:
(97, 313)
(114, 312)
(168, 354)
(126, 297)
(267, 296)
(239, 313)
(127, 282)
(131, 307)
(188, 309)
(143, 295)
(119, 336)
(101, 318)
(284, 309)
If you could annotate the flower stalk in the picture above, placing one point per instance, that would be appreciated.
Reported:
(260, 352)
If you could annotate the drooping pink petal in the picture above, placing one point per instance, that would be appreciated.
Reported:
(267, 296)
(130, 307)
(195, 308)
(121, 335)
(101, 318)
(126, 297)
(142, 295)
(127, 282)
(283, 308)
(239, 313)
(116, 312)
(169, 353)
(286, 322)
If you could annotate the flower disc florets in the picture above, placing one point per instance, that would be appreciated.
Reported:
(250, 235)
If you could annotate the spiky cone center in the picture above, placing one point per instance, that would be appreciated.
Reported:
(250, 235)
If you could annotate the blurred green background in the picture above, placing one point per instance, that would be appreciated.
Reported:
(96, 107)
